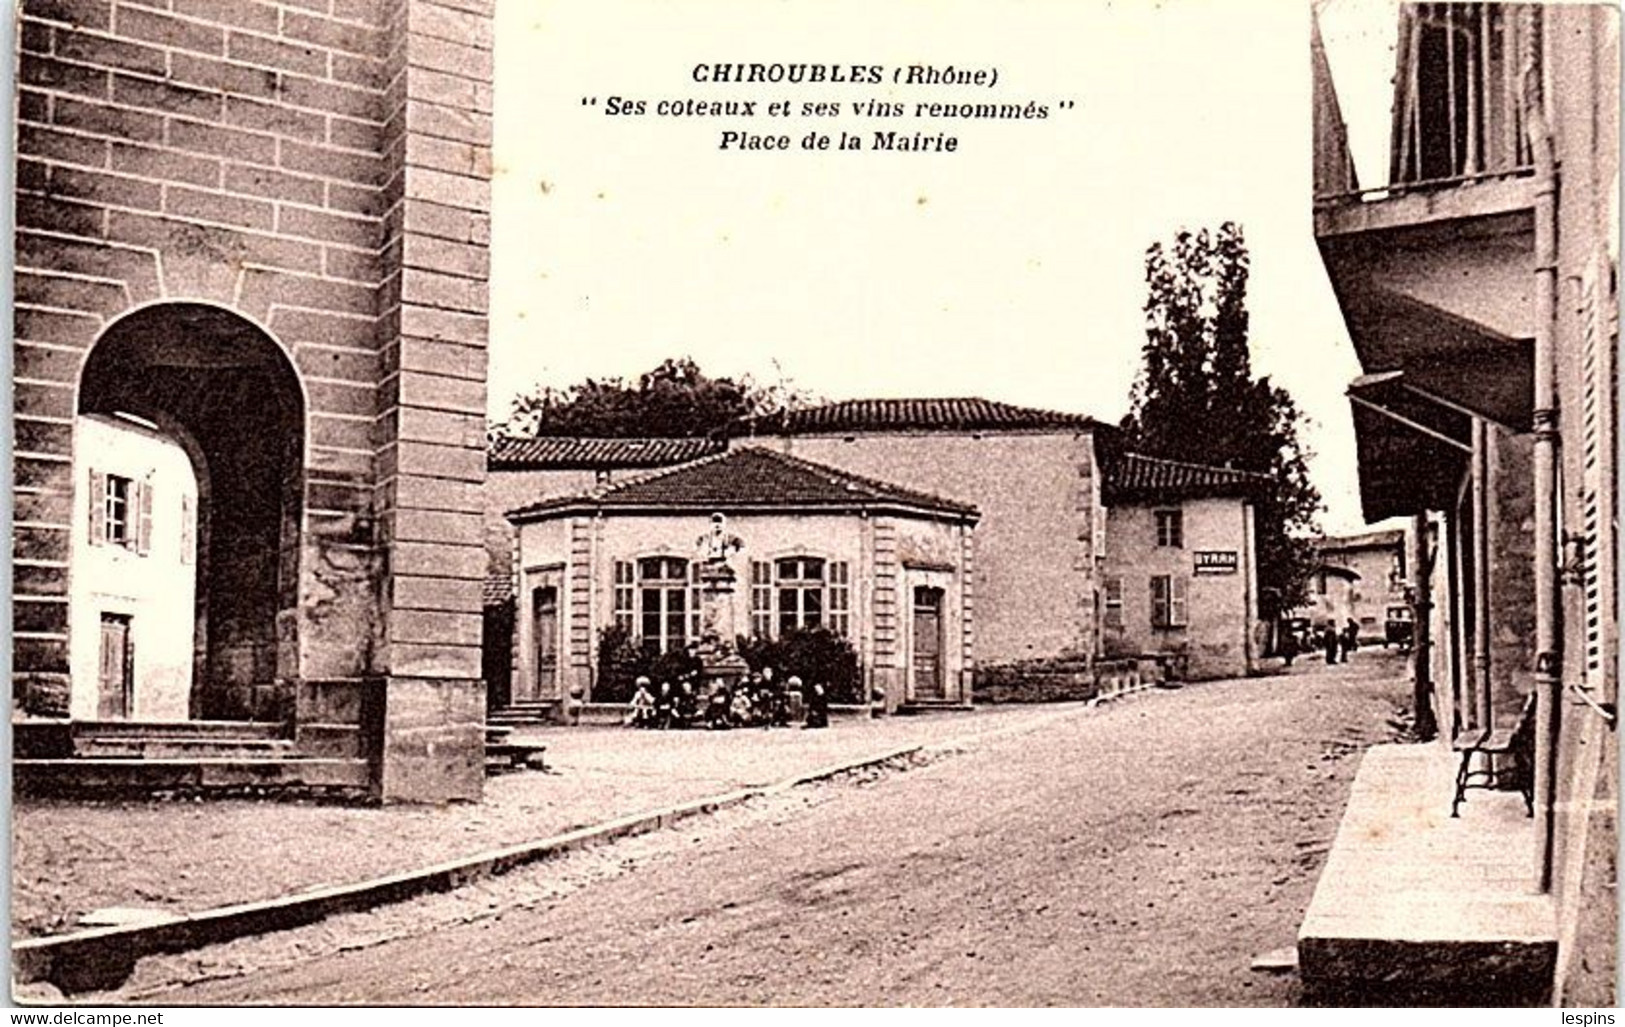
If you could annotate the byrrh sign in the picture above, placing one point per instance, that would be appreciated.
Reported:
(1220, 562)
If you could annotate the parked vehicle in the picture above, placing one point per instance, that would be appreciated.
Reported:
(1398, 629)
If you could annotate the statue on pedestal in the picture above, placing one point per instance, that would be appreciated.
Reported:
(716, 649)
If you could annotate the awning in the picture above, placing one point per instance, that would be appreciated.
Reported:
(1412, 448)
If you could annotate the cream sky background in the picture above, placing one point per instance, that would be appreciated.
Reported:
(1011, 269)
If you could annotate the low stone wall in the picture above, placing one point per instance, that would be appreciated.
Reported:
(1034, 681)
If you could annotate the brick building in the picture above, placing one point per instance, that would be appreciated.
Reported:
(263, 228)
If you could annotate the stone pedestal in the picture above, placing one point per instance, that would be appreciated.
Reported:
(718, 659)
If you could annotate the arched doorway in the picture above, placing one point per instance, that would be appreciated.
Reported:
(219, 388)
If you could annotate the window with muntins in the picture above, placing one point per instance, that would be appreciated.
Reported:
(1169, 601)
(799, 581)
(1170, 529)
(120, 493)
(663, 590)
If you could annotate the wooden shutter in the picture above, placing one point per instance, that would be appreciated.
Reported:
(98, 507)
(142, 514)
(1599, 516)
(694, 600)
(840, 598)
(1112, 615)
(1178, 602)
(761, 598)
(624, 578)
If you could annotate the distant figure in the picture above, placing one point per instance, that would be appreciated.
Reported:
(717, 712)
(1329, 641)
(817, 706)
(1351, 637)
(1289, 647)
(688, 704)
(641, 712)
(742, 715)
(665, 706)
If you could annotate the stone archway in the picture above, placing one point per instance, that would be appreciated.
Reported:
(221, 388)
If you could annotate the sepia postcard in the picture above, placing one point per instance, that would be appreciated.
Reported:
(942, 503)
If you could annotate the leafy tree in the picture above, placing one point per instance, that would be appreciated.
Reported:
(1196, 399)
(675, 400)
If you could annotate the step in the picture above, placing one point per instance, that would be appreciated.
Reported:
(152, 747)
(180, 728)
(97, 777)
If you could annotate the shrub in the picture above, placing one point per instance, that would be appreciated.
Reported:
(623, 658)
(811, 654)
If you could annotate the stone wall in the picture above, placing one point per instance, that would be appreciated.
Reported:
(319, 168)
(1038, 495)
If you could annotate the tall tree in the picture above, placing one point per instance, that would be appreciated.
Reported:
(674, 400)
(1196, 399)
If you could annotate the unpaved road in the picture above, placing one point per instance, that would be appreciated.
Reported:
(1138, 854)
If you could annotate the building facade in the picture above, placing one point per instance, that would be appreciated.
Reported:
(1360, 578)
(1067, 561)
(264, 230)
(134, 590)
(1478, 279)
(884, 567)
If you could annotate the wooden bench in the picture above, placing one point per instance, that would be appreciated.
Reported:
(1517, 741)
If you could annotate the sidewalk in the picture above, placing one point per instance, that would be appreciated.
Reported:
(71, 858)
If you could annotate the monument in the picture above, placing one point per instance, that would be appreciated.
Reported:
(718, 658)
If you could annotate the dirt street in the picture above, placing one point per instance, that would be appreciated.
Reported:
(1141, 854)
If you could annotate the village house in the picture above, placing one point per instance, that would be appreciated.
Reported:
(264, 232)
(1088, 560)
(1478, 279)
(134, 554)
(1360, 578)
(884, 567)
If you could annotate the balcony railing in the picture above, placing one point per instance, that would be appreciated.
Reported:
(1457, 113)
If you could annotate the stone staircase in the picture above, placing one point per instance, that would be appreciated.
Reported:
(87, 759)
(527, 713)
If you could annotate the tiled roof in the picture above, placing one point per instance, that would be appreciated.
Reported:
(593, 454)
(1367, 540)
(750, 478)
(1136, 476)
(866, 415)
(498, 589)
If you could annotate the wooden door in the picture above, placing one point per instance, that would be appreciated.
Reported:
(116, 679)
(544, 634)
(928, 643)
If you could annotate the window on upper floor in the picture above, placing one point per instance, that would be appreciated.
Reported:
(120, 512)
(1170, 528)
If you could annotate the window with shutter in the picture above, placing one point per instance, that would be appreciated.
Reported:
(143, 506)
(1599, 516)
(1178, 603)
(98, 507)
(1161, 594)
(625, 583)
(840, 598)
(1112, 605)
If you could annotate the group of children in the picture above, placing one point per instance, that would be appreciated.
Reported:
(756, 701)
